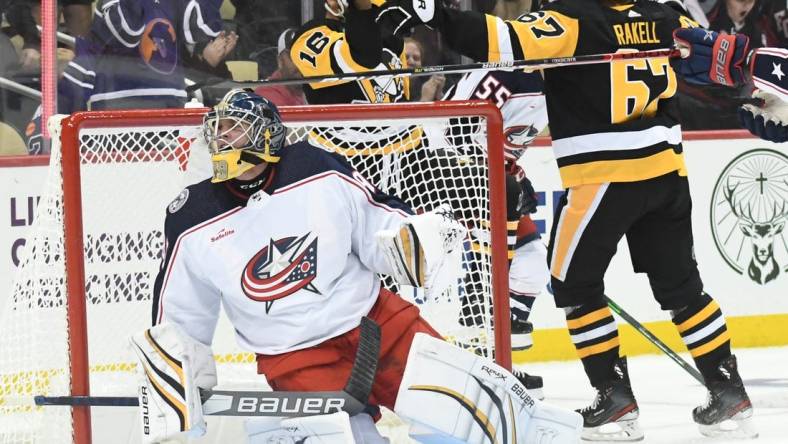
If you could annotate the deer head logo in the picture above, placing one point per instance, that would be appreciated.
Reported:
(763, 267)
(749, 213)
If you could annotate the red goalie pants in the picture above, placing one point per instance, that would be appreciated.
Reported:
(326, 367)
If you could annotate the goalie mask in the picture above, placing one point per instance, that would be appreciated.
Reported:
(242, 130)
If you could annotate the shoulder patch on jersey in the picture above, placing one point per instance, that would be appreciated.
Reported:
(179, 201)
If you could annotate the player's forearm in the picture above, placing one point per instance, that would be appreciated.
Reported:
(363, 37)
(466, 32)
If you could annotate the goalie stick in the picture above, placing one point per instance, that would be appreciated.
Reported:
(588, 59)
(353, 399)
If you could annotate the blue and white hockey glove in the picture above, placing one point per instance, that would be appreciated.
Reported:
(768, 121)
(713, 57)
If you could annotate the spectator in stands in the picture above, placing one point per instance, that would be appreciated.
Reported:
(705, 107)
(77, 16)
(259, 24)
(135, 53)
(744, 17)
(422, 88)
(19, 15)
(24, 15)
(776, 12)
(511, 9)
(284, 95)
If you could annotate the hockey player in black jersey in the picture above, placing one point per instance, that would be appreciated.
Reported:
(617, 140)
(348, 40)
(362, 35)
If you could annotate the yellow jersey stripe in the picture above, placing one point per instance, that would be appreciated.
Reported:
(624, 170)
(551, 35)
(573, 219)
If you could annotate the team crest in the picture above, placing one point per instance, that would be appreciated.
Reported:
(179, 201)
(280, 269)
(749, 209)
(158, 46)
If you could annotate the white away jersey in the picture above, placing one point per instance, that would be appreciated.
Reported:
(293, 266)
(519, 96)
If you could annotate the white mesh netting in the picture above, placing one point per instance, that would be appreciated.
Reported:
(129, 174)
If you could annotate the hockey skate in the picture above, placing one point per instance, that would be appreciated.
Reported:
(521, 334)
(613, 414)
(728, 410)
(532, 383)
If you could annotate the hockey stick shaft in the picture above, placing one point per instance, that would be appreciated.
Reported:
(655, 340)
(554, 62)
(352, 399)
(235, 403)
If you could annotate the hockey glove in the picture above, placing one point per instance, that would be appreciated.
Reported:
(713, 57)
(426, 251)
(530, 200)
(339, 10)
(769, 70)
(427, 12)
(768, 121)
(395, 20)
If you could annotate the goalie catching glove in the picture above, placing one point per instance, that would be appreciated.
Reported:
(173, 368)
(426, 251)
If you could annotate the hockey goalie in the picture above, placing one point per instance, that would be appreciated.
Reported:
(305, 237)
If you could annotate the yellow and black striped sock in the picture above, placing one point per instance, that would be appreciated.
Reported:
(595, 335)
(703, 329)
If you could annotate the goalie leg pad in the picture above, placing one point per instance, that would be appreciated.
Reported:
(172, 368)
(474, 400)
(336, 428)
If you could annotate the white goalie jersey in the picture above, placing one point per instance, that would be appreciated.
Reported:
(293, 266)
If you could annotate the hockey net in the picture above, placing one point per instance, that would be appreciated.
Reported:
(86, 280)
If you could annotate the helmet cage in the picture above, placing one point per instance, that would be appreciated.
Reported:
(261, 128)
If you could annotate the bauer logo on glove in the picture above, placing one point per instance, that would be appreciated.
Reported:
(710, 57)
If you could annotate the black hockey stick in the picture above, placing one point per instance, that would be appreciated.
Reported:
(353, 399)
(655, 340)
(588, 59)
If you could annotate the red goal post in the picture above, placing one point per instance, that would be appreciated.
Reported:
(97, 145)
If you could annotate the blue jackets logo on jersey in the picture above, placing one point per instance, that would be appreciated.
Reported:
(281, 269)
(158, 46)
